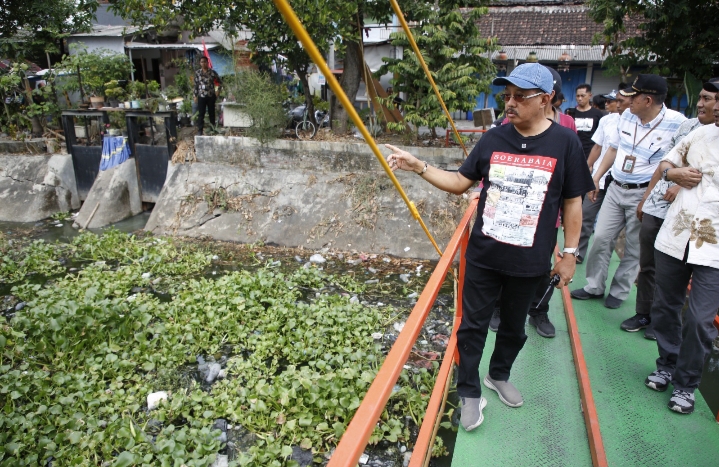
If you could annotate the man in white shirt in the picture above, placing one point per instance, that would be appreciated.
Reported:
(687, 248)
(651, 212)
(643, 134)
(606, 131)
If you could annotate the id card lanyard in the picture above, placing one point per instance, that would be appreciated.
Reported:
(630, 160)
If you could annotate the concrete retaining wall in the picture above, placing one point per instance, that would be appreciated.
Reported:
(30, 146)
(36, 187)
(114, 196)
(312, 194)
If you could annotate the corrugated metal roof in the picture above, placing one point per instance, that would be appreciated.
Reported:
(579, 53)
(142, 45)
(108, 31)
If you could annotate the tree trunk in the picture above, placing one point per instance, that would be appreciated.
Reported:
(350, 82)
(302, 74)
(37, 129)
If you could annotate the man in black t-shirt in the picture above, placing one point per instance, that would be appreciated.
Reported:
(529, 169)
(586, 117)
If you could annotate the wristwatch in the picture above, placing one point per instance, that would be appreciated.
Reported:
(664, 174)
(571, 251)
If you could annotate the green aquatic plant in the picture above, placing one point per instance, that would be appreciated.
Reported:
(79, 360)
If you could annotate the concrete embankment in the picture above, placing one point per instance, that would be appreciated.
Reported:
(312, 194)
(114, 196)
(36, 187)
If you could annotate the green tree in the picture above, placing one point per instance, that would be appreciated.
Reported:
(95, 69)
(456, 54)
(271, 35)
(31, 29)
(679, 36)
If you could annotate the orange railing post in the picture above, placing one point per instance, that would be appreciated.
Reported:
(360, 429)
(591, 419)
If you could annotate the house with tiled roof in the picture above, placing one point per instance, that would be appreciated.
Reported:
(556, 33)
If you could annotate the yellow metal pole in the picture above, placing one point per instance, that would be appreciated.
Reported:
(301, 34)
(405, 26)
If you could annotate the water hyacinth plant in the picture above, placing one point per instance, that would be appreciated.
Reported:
(88, 346)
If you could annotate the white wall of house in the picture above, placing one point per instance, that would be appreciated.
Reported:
(114, 43)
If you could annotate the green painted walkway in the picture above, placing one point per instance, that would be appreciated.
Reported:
(548, 430)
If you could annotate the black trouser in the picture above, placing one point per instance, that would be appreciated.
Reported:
(205, 103)
(683, 347)
(589, 217)
(537, 308)
(645, 279)
(479, 296)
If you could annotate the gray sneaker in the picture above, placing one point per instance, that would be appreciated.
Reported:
(472, 415)
(505, 390)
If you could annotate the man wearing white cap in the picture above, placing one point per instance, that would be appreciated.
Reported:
(529, 170)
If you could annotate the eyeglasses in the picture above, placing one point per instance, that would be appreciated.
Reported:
(518, 98)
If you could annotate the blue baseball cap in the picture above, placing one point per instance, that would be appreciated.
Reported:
(612, 96)
(528, 76)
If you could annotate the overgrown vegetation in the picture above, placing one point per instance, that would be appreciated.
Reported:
(86, 348)
(261, 101)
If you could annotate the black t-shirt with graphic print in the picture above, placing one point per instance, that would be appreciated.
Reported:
(587, 123)
(525, 180)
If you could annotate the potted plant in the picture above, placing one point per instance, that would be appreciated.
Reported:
(114, 92)
(186, 111)
(153, 97)
(136, 90)
(88, 72)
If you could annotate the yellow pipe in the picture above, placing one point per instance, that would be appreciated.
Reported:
(301, 34)
(405, 26)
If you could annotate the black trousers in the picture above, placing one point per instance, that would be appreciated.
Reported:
(645, 279)
(205, 104)
(684, 346)
(480, 293)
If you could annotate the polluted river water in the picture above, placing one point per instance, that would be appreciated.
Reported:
(385, 286)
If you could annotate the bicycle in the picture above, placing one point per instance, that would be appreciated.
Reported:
(305, 129)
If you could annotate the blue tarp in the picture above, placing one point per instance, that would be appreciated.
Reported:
(222, 62)
(115, 151)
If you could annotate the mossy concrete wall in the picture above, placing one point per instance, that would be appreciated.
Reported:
(311, 194)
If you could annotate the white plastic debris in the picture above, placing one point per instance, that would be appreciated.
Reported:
(146, 275)
(398, 326)
(372, 270)
(222, 460)
(377, 335)
(215, 258)
(153, 400)
(412, 295)
(364, 458)
(317, 258)
(406, 248)
(386, 260)
(404, 278)
(354, 299)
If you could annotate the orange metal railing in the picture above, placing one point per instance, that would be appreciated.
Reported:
(591, 419)
(355, 438)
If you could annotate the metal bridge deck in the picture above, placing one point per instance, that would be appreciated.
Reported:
(548, 430)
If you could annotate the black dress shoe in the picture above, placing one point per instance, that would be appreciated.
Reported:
(581, 294)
